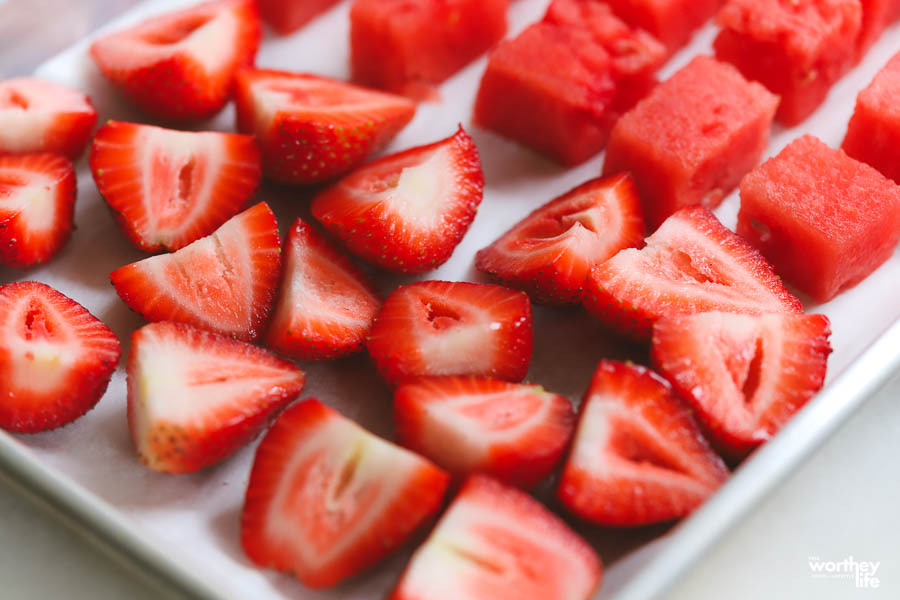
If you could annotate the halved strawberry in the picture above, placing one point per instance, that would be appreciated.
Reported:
(432, 328)
(37, 205)
(327, 499)
(180, 66)
(168, 188)
(326, 304)
(313, 129)
(196, 397)
(56, 358)
(408, 211)
(40, 116)
(744, 375)
(497, 543)
(638, 456)
(512, 431)
(551, 252)
(691, 264)
(224, 282)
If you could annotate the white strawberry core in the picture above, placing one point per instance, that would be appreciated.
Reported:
(31, 195)
(29, 109)
(421, 188)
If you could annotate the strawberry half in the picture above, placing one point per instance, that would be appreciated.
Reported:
(40, 116)
(196, 397)
(180, 66)
(512, 431)
(327, 499)
(313, 129)
(37, 206)
(56, 358)
(326, 304)
(408, 211)
(452, 328)
(744, 375)
(224, 282)
(551, 252)
(638, 456)
(497, 543)
(691, 264)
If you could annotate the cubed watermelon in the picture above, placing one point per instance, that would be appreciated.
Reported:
(410, 46)
(673, 22)
(873, 135)
(286, 16)
(796, 48)
(824, 220)
(692, 138)
(876, 15)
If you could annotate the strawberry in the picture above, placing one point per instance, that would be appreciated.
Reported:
(691, 264)
(37, 205)
(550, 253)
(56, 358)
(168, 188)
(326, 304)
(744, 375)
(180, 66)
(638, 456)
(452, 328)
(327, 499)
(224, 282)
(196, 397)
(512, 431)
(40, 116)
(408, 211)
(313, 129)
(497, 543)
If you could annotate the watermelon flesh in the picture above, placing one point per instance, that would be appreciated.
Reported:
(824, 220)
(286, 16)
(672, 22)
(876, 16)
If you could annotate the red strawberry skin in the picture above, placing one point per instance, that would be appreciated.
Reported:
(56, 359)
(37, 206)
(314, 129)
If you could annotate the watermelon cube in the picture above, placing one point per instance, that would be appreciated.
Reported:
(410, 46)
(796, 48)
(673, 22)
(824, 220)
(876, 15)
(286, 16)
(692, 138)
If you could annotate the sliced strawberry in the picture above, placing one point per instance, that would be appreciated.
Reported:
(168, 188)
(551, 252)
(327, 499)
(497, 543)
(638, 456)
(56, 358)
(326, 304)
(408, 211)
(744, 375)
(512, 431)
(691, 264)
(180, 66)
(40, 116)
(224, 282)
(433, 328)
(313, 129)
(37, 205)
(196, 397)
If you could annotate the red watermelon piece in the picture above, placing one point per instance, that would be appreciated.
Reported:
(286, 16)
(876, 16)
(672, 21)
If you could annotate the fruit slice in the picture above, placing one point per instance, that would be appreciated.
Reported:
(638, 456)
(326, 304)
(443, 328)
(312, 129)
(37, 205)
(745, 376)
(287, 16)
(497, 543)
(327, 499)
(691, 264)
(550, 253)
(180, 66)
(224, 282)
(408, 211)
(514, 432)
(56, 358)
(168, 188)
